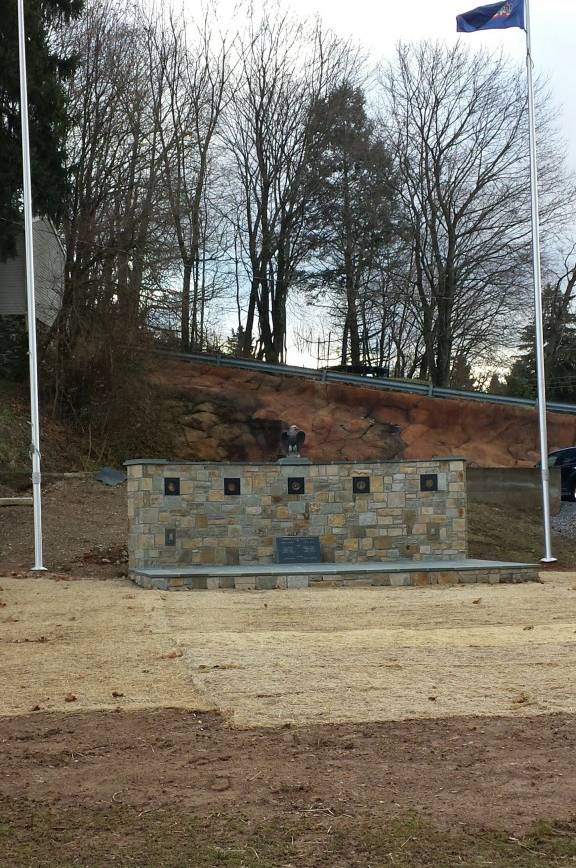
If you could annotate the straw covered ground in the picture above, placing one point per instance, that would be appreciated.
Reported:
(272, 658)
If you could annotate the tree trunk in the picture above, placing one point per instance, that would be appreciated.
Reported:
(185, 319)
(248, 337)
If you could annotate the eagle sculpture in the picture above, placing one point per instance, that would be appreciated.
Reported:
(292, 441)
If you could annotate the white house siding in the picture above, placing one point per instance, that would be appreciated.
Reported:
(48, 276)
(13, 283)
(48, 272)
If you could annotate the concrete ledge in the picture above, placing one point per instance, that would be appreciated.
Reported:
(286, 576)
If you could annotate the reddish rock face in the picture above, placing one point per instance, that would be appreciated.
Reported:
(226, 414)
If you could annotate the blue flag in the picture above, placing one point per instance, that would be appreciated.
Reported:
(495, 16)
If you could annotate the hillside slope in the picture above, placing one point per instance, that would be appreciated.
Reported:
(210, 413)
(222, 413)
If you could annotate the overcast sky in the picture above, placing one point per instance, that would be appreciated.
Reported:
(379, 24)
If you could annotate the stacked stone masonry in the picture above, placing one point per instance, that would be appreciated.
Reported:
(395, 520)
(410, 578)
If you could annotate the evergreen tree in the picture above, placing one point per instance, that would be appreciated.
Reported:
(350, 208)
(461, 376)
(559, 354)
(46, 70)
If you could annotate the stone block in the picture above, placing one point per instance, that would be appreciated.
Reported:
(232, 555)
(398, 580)
(381, 579)
(265, 583)
(245, 583)
(367, 518)
(297, 507)
(448, 578)
(265, 552)
(215, 496)
(467, 577)
(293, 582)
(420, 580)
(207, 555)
(149, 516)
(356, 532)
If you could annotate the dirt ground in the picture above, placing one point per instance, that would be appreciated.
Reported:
(84, 523)
(177, 788)
(346, 728)
(361, 764)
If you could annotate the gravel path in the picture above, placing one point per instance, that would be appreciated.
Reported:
(565, 521)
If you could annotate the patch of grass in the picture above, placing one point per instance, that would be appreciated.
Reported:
(169, 838)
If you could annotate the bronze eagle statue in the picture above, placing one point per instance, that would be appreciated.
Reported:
(292, 440)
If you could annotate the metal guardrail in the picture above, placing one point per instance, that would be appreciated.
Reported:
(357, 380)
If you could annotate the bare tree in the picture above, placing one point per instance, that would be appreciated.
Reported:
(456, 122)
(113, 163)
(561, 309)
(188, 73)
(284, 67)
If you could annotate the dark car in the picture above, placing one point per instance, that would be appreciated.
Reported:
(566, 460)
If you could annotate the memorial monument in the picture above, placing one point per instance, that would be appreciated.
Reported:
(292, 523)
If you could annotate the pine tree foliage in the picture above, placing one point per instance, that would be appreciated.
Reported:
(350, 211)
(559, 353)
(48, 119)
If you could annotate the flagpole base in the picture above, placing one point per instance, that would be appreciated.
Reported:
(38, 569)
(548, 560)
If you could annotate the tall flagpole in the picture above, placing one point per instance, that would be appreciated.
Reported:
(540, 371)
(31, 303)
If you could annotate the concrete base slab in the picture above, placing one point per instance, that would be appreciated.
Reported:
(290, 576)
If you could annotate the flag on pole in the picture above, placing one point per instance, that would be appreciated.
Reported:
(495, 16)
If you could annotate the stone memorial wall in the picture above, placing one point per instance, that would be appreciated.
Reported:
(189, 513)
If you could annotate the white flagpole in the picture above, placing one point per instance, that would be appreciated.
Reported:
(31, 303)
(540, 371)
